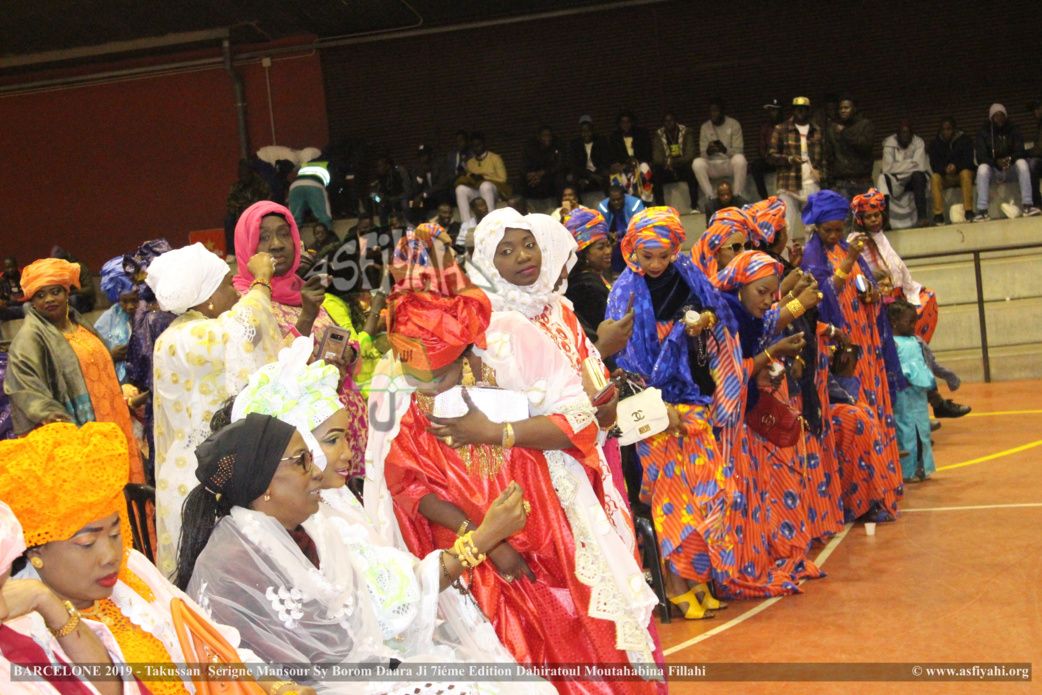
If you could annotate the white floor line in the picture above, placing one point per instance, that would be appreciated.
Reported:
(822, 556)
(983, 506)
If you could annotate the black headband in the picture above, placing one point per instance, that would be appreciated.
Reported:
(239, 461)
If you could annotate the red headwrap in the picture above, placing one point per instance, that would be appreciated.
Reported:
(873, 201)
(49, 271)
(285, 289)
(428, 331)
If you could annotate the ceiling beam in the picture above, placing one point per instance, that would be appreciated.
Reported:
(179, 39)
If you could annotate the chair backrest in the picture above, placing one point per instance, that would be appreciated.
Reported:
(138, 496)
(202, 644)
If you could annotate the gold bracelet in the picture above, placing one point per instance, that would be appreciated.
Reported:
(841, 274)
(712, 319)
(768, 353)
(278, 685)
(463, 527)
(466, 552)
(70, 625)
(832, 331)
(796, 308)
(800, 360)
(258, 281)
(508, 436)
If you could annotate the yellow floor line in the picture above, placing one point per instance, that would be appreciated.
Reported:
(1006, 412)
(822, 556)
(990, 457)
(976, 506)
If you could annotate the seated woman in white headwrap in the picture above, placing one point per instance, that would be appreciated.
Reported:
(38, 629)
(305, 583)
(206, 355)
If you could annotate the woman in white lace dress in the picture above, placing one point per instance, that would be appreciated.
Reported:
(205, 356)
(305, 583)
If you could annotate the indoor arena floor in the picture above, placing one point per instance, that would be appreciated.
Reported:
(956, 579)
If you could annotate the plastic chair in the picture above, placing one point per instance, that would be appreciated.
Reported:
(653, 561)
(199, 639)
(138, 496)
(357, 485)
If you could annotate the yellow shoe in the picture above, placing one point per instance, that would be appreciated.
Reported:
(695, 611)
(709, 602)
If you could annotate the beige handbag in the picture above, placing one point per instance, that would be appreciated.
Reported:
(641, 416)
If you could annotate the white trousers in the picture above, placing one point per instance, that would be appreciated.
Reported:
(720, 168)
(465, 194)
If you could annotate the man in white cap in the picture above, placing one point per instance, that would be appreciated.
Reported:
(1001, 159)
(797, 152)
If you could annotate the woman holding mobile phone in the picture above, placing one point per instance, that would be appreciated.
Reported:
(268, 227)
(839, 269)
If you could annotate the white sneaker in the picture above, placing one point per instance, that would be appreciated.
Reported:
(1032, 211)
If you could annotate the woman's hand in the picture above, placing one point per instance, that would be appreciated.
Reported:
(261, 266)
(505, 517)
(472, 428)
(796, 253)
(871, 296)
(789, 346)
(857, 246)
(377, 302)
(676, 421)
(790, 282)
(796, 370)
(312, 294)
(613, 335)
(24, 596)
(810, 295)
(607, 413)
(119, 353)
(510, 563)
(57, 417)
(843, 338)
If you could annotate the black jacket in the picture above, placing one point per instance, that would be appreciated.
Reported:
(641, 146)
(958, 152)
(538, 158)
(994, 143)
(850, 151)
(577, 155)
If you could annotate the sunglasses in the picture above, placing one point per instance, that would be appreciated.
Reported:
(304, 460)
(737, 247)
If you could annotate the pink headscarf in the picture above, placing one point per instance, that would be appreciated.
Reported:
(12, 541)
(285, 289)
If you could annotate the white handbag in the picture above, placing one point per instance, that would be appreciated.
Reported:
(641, 416)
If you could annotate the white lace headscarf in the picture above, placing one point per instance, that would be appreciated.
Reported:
(300, 394)
(185, 277)
(533, 300)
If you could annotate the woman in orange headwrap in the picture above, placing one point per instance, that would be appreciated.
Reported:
(65, 485)
(60, 369)
(443, 474)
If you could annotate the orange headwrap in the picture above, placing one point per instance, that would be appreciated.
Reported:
(428, 331)
(49, 271)
(59, 478)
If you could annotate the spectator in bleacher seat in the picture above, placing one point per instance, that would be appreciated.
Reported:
(543, 165)
(1001, 159)
(308, 192)
(724, 198)
(762, 166)
(722, 149)
(618, 208)
(848, 145)
(486, 177)
(951, 159)
(11, 291)
(457, 161)
(905, 170)
(250, 188)
(1035, 153)
(465, 238)
(85, 297)
(431, 185)
(828, 112)
(569, 201)
(390, 188)
(445, 221)
(797, 152)
(519, 203)
(589, 157)
(673, 149)
(631, 156)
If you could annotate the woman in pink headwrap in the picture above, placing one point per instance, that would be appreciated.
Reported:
(880, 255)
(270, 228)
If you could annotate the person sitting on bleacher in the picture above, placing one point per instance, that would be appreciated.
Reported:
(722, 149)
(951, 159)
(904, 169)
(1001, 158)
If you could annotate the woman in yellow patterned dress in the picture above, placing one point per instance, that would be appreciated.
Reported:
(59, 369)
(206, 355)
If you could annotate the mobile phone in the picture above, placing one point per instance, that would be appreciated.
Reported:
(334, 343)
(861, 284)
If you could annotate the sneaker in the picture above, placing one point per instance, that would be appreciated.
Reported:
(1032, 211)
(981, 216)
(695, 211)
(949, 408)
(938, 220)
(969, 215)
(934, 425)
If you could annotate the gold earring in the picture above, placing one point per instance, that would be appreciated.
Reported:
(36, 562)
(267, 496)
(210, 306)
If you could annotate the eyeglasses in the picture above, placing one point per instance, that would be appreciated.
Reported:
(304, 460)
(738, 246)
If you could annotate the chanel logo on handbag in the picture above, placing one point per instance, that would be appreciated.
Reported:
(641, 416)
(638, 415)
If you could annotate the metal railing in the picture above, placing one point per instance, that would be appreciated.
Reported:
(981, 314)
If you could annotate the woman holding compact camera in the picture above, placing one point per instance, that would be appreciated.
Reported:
(851, 302)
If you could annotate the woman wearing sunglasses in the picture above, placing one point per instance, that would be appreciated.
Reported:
(730, 232)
